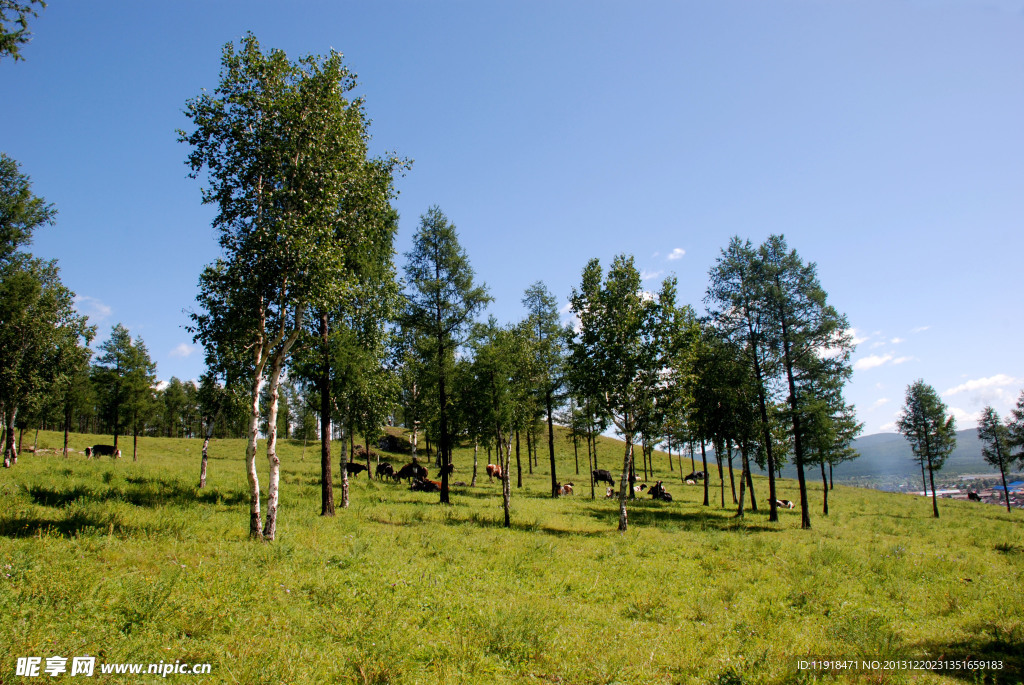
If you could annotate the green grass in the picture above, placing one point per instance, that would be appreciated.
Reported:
(131, 562)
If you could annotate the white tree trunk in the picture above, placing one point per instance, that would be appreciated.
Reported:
(274, 479)
(506, 487)
(255, 518)
(624, 483)
(10, 450)
(344, 466)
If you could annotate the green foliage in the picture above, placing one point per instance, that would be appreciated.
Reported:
(42, 338)
(923, 422)
(21, 212)
(441, 302)
(124, 377)
(14, 33)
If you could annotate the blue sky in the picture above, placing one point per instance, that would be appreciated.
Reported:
(884, 139)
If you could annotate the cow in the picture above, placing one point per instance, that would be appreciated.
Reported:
(690, 481)
(493, 471)
(695, 476)
(609, 493)
(784, 503)
(564, 489)
(424, 485)
(103, 450)
(446, 468)
(385, 470)
(602, 476)
(410, 471)
(658, 491)
(973, 496)
(354, 469)
(640, 488)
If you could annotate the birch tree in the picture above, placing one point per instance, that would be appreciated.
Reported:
(618, 321)
(549, 345)
(281, 146)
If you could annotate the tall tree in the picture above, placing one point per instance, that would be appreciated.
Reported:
(1015, 427)
(995, 448)
(549, 348)
(812, 336)
(281, 145)
(41, 337)
(14, 33)
(736, 300)
(140, 402)
(441, 301)
(618, 323)
(111, 374)
(932, 435)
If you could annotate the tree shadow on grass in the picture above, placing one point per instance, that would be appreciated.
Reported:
(641, 513)
(141, 492)
(526, 526)
(78, 523)
(987, 643)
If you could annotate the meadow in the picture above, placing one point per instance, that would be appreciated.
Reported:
(131, 562)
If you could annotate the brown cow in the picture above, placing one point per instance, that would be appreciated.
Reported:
(493, 471)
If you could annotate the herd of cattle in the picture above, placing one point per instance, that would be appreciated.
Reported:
(416, 474)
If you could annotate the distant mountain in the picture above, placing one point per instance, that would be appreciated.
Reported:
(889, 455)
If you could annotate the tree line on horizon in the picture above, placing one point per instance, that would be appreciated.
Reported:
(309, 331)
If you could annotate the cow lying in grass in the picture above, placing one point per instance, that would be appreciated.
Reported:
(696, 475)
(784, 503)
(423, 485)
(658, 491)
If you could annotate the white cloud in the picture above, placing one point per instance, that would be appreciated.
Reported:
(900, 360)
(856, 338)
(879, 402)
(182, 350)
(648, 275)
(896, 341)
(879, 343)
(992, 382)
(566, 309)
(920, 329)
(92, 307)
(888, 428)
(646, 296)
(964, 419)
(160, 385)
(871, 362)
(675, 254)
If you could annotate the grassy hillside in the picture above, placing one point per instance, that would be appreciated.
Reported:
(131, 563)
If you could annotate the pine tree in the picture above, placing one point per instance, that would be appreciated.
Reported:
(932, 435)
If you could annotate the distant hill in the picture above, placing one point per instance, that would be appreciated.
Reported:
(889, 455)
